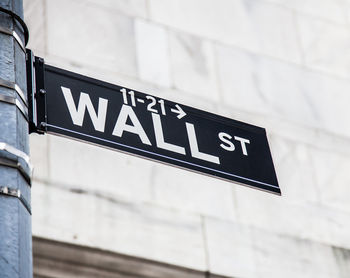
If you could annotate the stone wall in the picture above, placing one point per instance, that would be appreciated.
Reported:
(280, 64)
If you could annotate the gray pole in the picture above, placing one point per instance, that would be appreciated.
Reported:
(15, 217)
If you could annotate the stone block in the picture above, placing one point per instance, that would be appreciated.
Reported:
(254, 25)
(283, 256)
(292, 132)
(110, 224)
(294, 169)
(266, 86)
(240, 251)
(85, 167)
(137, 8)
(35, 18)
(192, 192)
(325, 46)
(281, 215)
(331, 175)
(152, 50)
(39, 154)
(328, 10)
(230, 248)
(342, 257)
(90, 35)
(193, 65)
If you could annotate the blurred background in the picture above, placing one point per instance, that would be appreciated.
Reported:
(280, 64)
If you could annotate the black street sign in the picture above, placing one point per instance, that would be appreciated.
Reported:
(151, 127)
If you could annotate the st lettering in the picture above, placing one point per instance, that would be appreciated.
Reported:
(228, 145)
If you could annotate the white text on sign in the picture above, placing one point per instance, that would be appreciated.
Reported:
(127, 112)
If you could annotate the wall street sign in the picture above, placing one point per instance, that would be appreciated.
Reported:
(119, 118)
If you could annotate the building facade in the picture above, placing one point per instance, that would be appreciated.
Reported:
(282, 65)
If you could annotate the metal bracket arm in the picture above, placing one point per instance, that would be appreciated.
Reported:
(14, 86)
(15, 101)
(12, 157)
(11, 192)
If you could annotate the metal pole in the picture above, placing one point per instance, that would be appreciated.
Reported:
(15, 170)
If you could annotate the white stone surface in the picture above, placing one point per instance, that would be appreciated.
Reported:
(193, 65)
(280, 215)
(283, 256)
(342, 257)
(136, 8)
(270, 87)
(130, 228)
(39, 156)
(254, 25)
(90, 35)
(230, 248)
(152, 50)
(100, 170)
(295, 172)
(325, 46)
(35, 19)
(279, 64)
(239, 251)
(332, 178)
(333, 10)
(184, 191)
(293, 132)
(137, 84)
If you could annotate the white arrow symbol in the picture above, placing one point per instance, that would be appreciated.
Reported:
(178, 111)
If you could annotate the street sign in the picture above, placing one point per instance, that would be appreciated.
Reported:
(144, 125)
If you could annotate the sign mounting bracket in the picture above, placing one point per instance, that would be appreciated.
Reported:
(37, 109)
